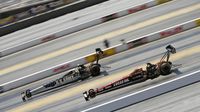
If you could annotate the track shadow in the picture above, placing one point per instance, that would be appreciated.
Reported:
(177, 71)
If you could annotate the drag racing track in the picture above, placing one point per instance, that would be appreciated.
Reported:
(76, 50)
(178, 99)
(70, 98)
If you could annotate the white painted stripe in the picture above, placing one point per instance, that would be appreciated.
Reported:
(132, 94)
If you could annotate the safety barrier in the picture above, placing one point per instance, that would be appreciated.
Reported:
(42, 8)
(80, 26)
(24, 23)
(6, 20)
(142, 95)
(28, 11)
(23, 7)
(107, 52)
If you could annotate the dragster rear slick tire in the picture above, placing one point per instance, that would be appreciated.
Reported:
(165, 68)
(95, 69)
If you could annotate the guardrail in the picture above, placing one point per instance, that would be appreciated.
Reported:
(142, 95)
(81, 26)
(12, 10)
(107, 52)
(25, 12)
(7, 20)
(48, 15)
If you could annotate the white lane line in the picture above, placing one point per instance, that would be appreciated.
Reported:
(100, 105)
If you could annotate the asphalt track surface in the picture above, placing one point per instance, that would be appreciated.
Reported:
(182, 100)
(87, 34)
(70, 98)
(67, 21)
(31, 66)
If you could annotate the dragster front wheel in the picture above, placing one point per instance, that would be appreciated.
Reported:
(23, 96)
(85, 94)
(26, 95)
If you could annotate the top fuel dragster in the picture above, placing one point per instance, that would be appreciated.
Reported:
(81, 72)
(163, 67)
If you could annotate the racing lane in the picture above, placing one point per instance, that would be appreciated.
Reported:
(187, 97)
(65, 22)
(83, 51)
(70, 99)
(77, 104)
(70, 40)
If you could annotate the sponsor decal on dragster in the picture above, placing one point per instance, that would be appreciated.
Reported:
(61, 68)
(114, 84)
(136, 9)
(171, 31)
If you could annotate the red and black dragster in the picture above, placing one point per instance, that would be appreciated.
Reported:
(163, 67)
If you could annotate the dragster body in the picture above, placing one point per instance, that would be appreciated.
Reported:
(81, 72)
(163, 67)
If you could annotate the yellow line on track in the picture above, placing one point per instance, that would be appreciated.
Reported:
(99, 38)
(31, 106)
